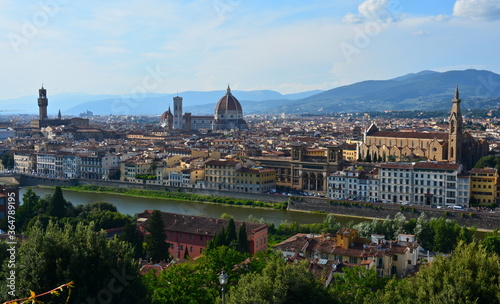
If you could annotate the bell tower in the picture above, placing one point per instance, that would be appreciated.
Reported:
(455, 131)
(42, 103)
(178, 113)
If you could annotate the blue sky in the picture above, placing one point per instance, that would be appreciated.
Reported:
(162, 46)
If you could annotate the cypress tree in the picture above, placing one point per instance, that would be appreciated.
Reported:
(231, 235)
(57, 204)
(156, 246)
(242, 239)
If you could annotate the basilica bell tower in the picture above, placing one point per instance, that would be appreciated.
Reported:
(455, 132)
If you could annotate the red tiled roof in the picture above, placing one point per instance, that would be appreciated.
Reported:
(422, 135)
(197, 224)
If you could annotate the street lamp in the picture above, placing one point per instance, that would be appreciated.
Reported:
(223, 278)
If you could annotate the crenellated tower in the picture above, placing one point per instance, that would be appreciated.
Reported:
(43, 102)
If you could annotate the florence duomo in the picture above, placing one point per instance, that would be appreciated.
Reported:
(228, 115)
(354, 157)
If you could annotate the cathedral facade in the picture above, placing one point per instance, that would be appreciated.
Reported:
(228, 115)
(456, 146)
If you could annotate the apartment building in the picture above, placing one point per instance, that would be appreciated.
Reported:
(255, 180)
(24, 162)
(424, 183)
(221, 174)
(484, 184)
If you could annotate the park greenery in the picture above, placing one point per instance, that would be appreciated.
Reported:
(68, 244)
(179, 196)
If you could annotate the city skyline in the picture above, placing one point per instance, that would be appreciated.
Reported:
(162, 47)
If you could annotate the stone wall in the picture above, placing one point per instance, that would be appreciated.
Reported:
(484, 220)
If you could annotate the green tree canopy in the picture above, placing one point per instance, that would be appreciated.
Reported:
(156, 247)
(54, 256)
(279, 282)
(469, 275)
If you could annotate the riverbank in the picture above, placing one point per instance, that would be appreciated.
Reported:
(482, 220)
(179, 196)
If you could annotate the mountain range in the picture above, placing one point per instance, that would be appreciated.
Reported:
(416, 91)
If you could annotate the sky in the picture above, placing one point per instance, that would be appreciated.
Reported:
(166, 46)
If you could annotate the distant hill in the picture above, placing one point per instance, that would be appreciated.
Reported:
(416, 91)
(151, 103)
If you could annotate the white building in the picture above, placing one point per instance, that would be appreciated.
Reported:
(423, 183)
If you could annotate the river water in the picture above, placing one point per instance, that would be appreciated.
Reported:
(132, 205)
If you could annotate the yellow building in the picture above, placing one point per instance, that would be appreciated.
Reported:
(350, 152)
(484, 185)
(133, 167)
(221, 174)
(256, 180)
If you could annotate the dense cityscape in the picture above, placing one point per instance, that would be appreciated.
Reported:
(250, 152)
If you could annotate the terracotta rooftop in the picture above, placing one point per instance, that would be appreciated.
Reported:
(422, 135)
(196, 224)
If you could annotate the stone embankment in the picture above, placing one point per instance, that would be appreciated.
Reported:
(483, 220)
(478, 219)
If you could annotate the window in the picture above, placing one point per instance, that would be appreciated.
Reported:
(395, 257)
(409, 262)
(353, 260)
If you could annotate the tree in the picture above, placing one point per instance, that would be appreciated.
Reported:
(54, 255)
(330, 224)
(156, 248)
(231, 236)
(279, 282)
(132, 236)
(30, 207)
(368, 158)
(489, 161)
(356, 285)
(492, 242)
(242, 239)
(57, 206)
(195, 281)
(8, 160)
(469, 275)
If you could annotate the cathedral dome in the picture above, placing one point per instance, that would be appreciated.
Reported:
(228, 103)
(228, 113)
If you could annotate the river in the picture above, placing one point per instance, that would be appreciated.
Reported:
(133, 204)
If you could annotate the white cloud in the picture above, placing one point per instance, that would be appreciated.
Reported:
(477, 9)
(382, 11)
(352, 18)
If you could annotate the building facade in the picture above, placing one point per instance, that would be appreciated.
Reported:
(422, 183)
(191, 233)
(455, 146)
